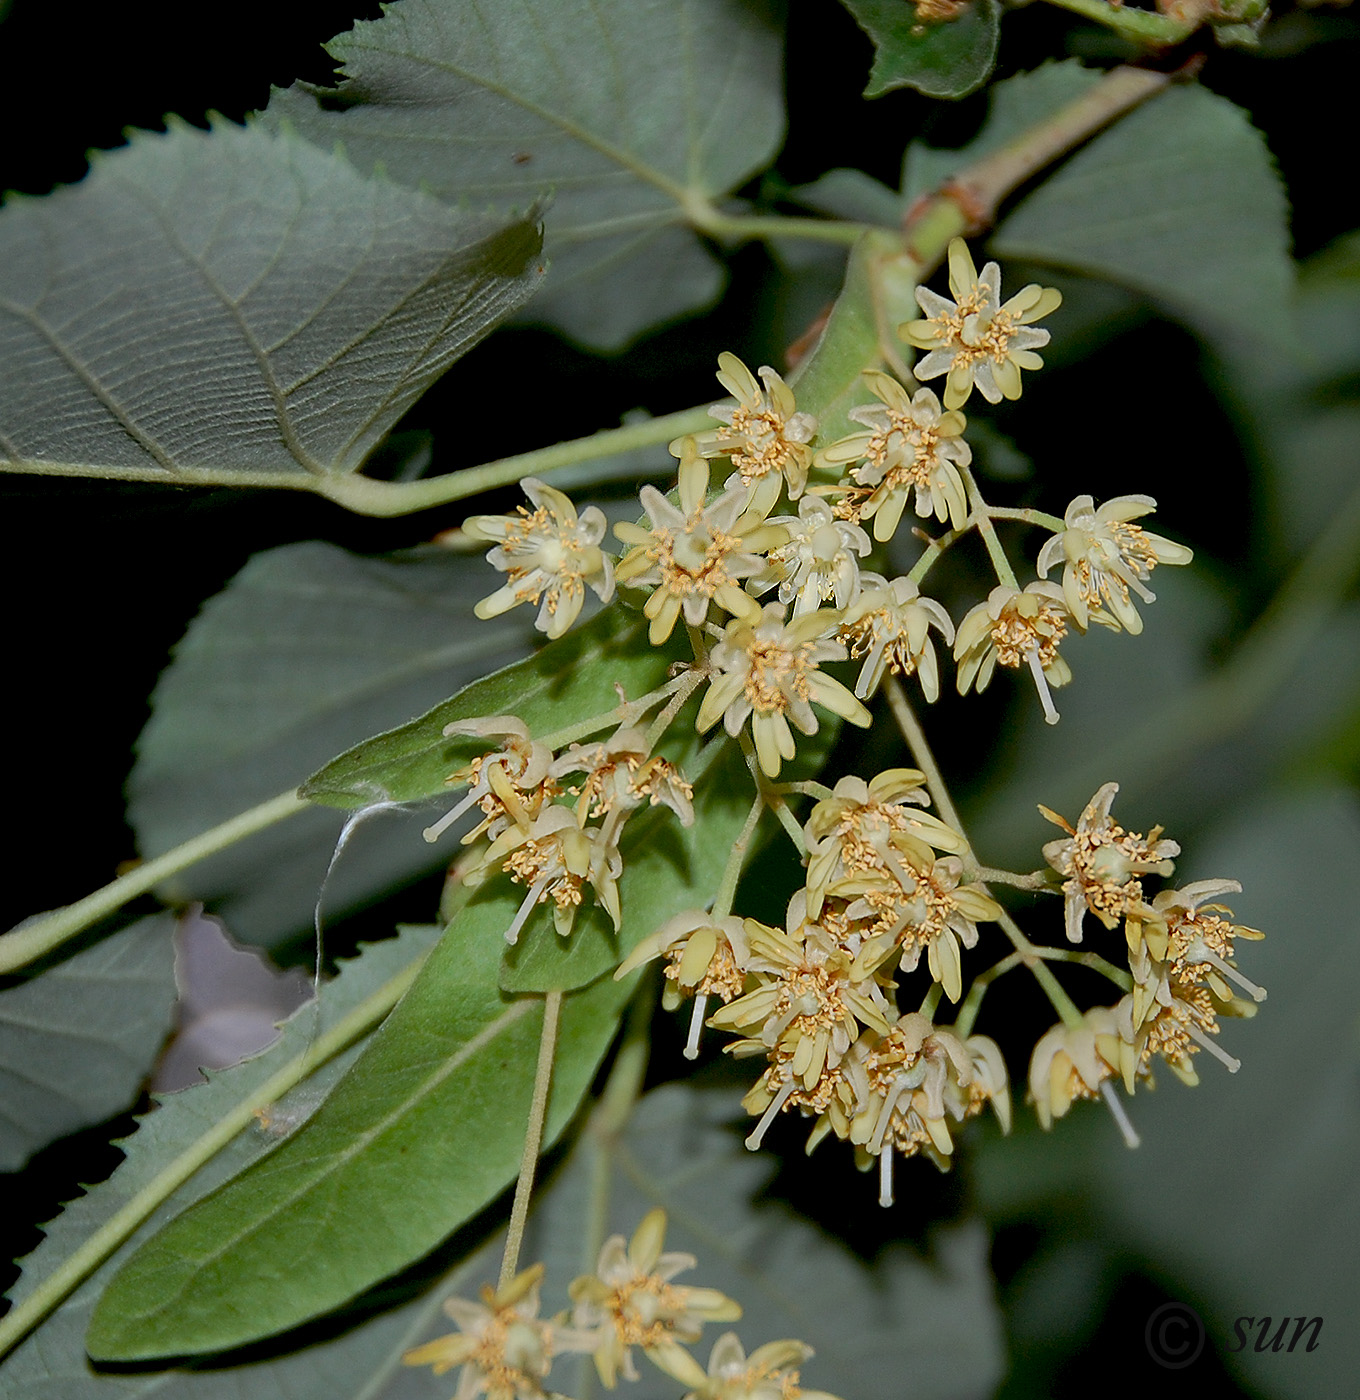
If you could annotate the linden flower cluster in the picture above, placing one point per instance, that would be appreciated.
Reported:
(1180, 956)
(706, 556)
(814, 999)
(553, 837)
(506, 1350)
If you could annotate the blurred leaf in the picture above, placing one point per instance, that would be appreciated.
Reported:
(872, 1324)
(1181, 201)
(52, 1364)
(1013, 106)
(941, 58)
(78, 1041)
(424, 1131)
(562, 684)
(1266, 1156)
(306, 650)
(851, 194)
(234, 302)
(622, 108)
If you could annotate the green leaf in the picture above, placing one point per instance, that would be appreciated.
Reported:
(624, 109)
(941, 58)
(52, 1361)
(871, 1323)
(77, 1042)
(562, 684)
(1014, 105)
(308, 649)
(235, 304)
(424, 1130)
(1181, 201)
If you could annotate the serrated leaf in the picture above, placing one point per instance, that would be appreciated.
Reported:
(1014, 105)
(1181, 201)
(236, 303)
(941, 58)
(424, 1130)
(52, 1363)
(306, 650)
(622, 108)
(78, 1041)
(562, 684)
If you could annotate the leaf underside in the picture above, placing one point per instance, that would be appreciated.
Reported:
(236, 302)
(616, 107)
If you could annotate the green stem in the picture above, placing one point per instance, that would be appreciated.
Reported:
(981, 519)
(932, 552)
(1035, 880)
(924, 759)
(770, 795)
(1029, 516)
(1144, 27)
(685, 686)
(31, 941)
(972, 1003)
(368, 497)
(722, 902)
(624, 714)
(707, 218)
(119, 1227)
(533, 1137)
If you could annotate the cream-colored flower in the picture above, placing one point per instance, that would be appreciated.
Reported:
(1102, 863)
(918, 904)
(1013, 628)
(1072, 1063)
(704, 957)
(889, 624)
(555, 857)
(863, 828)
(1176, 1023)
(549, 554)
(510, 784)
(910, 446)
(976, 339)
(621, 775)
(1105, 559)
(1195, 939)
(504, 1350)
(909, 1083)
(769, 1373)
(770, 670)
(695, 554)
(819, 563)
(630, 1301)
(804, 1014)
(765, 437)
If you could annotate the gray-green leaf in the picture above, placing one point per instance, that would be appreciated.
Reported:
(623, 109)
(52, 1363)
(1181, 201)
(939, 57)
(424, 1131)
(307, 650)
(236, 304)
(77, 1042)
